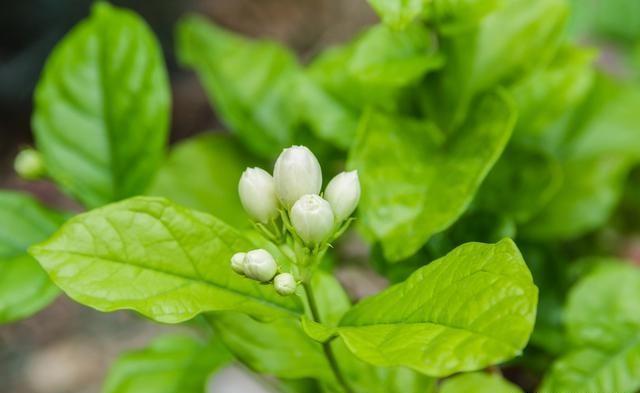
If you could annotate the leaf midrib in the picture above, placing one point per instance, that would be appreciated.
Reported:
(614, 355)
(472, 332)
(202, 281)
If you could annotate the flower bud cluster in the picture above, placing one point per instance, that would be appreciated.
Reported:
(260, 265)
(291, 202)
(298, 181)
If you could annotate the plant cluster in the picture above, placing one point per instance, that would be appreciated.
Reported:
(471, 136)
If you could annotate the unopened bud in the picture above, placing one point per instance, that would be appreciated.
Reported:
(343, 194)
(297, 172)
(258, 194)
(29, 164)
(312, 219)
(285, 284)
(260, 265)
(238, 262)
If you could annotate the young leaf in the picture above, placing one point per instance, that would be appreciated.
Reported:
(24, 286)
(163, 260)
(171, 364)
(603, 321)
(398, 13)
(377, 67)
(412, 188)
(472, 308)
(386, 57)
(446, 15)
(202, 173)
(478, 383)
(102, 108)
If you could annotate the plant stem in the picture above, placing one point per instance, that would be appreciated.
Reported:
(326, 346)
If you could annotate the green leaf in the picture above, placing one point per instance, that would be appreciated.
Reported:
(472, 308)
(478, 383)
(248, 82)
(382, 56)
(547, 93)
(598, 144)
(24, 286)
(170, 364)
(617, 19)
(603, 321)
(279, 347)
(317, 331)
(333, 303)
(163, 260)
(521, 183)
(282, 347)
(447, 16)
(398, 13)
(202, 173)
(329, 118)
(586, 199)
(508, 44)
(456, 16)
(413, 188)
(376, 67)
(102, 108)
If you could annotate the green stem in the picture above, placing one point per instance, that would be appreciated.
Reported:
(326, 346)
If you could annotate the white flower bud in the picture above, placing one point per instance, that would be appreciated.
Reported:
(258, 194)
(29, 164)
(260, 265)
(238, 262)
(284, 284)
(312, 219)
(343, 194)
(296, 173)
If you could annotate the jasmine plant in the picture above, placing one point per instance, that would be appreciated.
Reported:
(477, 154)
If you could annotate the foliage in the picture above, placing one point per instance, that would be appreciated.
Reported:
(474, 125)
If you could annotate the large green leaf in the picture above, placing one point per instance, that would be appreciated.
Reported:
(281, 347)
(248, 82)
(478, 383)
(472, 308)
(170, 364)
(24, 286)
(203, 173)
(413, 188)
(603, 321)
(163, 260)
(102, 108)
